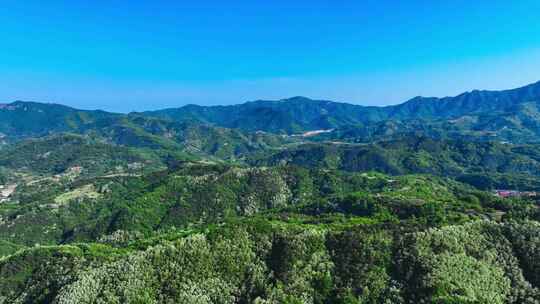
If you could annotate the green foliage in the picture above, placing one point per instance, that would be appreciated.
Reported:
(61, 153)
(463, 279)
(244, 262)
(138, 209)
(485, 165)
(195, 195)
(504, 115)
(471, 263)
(362, 259)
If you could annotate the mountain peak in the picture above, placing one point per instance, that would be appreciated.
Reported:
(535, 83)
(35, 103)
(297, 99)
(293, 100)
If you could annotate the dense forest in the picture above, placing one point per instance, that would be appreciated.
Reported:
(293, 201)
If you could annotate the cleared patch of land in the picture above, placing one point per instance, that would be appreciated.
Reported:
(86, 191)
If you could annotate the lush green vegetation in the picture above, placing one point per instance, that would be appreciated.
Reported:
(61, 153)
(496, 115)
(486, 165)
(511, 115)
(258, 261)
(199, 205)
(199, 194)
(204, 233)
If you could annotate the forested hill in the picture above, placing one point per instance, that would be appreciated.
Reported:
(483, 110)
(469, 103)
(274, 202)
(484, 164)
(26, 119)
(219, 234)
(299, 114)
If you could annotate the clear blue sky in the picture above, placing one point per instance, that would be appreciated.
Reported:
(136, 55)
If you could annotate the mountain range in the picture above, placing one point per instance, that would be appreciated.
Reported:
(435, 200)
(494, 132)
(477, 111)
(300, 114)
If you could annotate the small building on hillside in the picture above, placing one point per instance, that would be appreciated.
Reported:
(515, 193)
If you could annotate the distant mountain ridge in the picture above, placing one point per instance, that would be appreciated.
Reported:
(299, 114)
(26, 119)
(467, 103)
(476, 111)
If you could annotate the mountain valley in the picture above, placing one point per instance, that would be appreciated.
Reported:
(435, 200)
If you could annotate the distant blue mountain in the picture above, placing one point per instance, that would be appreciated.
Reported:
(508, 114)
(299, 114)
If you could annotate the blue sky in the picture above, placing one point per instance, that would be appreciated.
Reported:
(137, 55)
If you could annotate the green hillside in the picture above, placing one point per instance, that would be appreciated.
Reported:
(29, 119)
(57, 154)
(227, 234)
(261, 262)
(294, 201)
(200, 194)
(299, 114)
(502, 115)
(495, 164)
